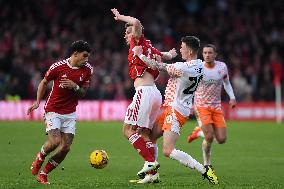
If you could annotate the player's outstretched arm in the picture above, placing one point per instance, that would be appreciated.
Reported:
(150, 62)
(170, 54)
(40, 93)
(128, 19)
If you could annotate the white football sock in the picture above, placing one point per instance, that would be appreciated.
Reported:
(156, 151)
(186, 160)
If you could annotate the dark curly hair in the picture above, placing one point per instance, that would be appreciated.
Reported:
(80, 46)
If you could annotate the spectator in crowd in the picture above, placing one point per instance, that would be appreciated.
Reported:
(35, 34)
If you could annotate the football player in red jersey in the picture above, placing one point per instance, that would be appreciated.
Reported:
(71, 79)
(142, 112)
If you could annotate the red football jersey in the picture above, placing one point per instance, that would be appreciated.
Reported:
(136, 66)
(63, 100)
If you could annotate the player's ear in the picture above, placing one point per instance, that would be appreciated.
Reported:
(190, 52)
(75, 53)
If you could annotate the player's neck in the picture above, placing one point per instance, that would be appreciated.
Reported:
(72, 62)
(191, 58)
(210, 64)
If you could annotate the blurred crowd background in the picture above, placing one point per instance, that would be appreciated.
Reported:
(249, 36)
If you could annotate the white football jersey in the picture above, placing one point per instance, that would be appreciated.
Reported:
(182, 84)
(208, 93)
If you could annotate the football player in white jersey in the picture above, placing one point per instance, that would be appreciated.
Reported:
(207, 103)
(178, 104)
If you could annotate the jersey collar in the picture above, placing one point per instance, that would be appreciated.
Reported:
(70, 66)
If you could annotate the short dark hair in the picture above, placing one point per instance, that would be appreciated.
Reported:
(192, 42)
(211, 46)
(80, 46)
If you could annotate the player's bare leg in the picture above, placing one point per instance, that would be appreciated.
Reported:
(57, 158)
(156, 133)
(128, 130)
(207, 143)
(64, 147)
(53, 140)
(206, 150)
(221, 135)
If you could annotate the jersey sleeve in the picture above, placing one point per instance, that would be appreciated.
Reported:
(156, 51)
(86, 83)
(226, 75)
(87, 80)
(51, 74)
(175, 70)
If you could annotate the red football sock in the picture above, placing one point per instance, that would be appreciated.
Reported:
(41, 156)
(151, 148)
(49, 167)
(140, 145)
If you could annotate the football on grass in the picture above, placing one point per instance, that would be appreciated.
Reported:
(99, 159)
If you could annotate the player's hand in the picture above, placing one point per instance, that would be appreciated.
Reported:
(116, 13)
(137, 50)
(173, 52)
(158, 58)
(233, 103)
(33, 107)
(67, 83)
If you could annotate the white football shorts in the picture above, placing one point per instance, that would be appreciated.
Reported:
(144, 108)
(66, 123)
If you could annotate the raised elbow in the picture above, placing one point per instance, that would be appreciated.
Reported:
(136, 23)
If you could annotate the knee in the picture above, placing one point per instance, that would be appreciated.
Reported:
(127, 131)
(126, 134)
(221, 140)
(167, 152)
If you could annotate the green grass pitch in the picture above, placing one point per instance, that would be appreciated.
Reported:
(252, 157)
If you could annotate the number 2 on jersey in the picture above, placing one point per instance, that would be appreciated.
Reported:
(194, 83)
